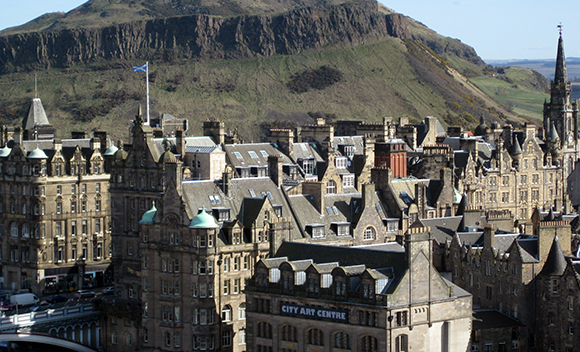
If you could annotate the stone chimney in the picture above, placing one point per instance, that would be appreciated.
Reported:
(488, 236)
(284, 138)
(95, 143)
(547, 231)
(226, 179)
(17, 135)
(507, 135)
(180, 142)
(57, 144)
(421, 199)
(275, 169)
(368, 189)
(381, 177)
(317, 190)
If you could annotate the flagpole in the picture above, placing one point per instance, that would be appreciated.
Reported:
(147, 74)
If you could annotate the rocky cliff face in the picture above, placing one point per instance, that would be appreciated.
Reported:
(203, 36)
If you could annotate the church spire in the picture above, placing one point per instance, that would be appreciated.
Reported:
(560, 75)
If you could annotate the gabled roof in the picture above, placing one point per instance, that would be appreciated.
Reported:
(443, 229)
(306, 151)
(250, 209)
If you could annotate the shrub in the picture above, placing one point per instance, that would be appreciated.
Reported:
(319, 78)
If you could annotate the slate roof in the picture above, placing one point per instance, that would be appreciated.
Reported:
(356, 141)
(252, 154)
(346, 256)
(201, 149)
(556, 262)
(307, 213)
(306, 151)
(493, 319)
(388, 246)
(443, 229)
(46, 144)
(196, 194)
(36, 115)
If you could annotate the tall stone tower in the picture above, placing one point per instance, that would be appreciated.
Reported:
(563, 113)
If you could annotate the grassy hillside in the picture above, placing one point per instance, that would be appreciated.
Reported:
(378, 79)
(521, 90)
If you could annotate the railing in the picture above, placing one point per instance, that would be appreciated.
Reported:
(11, 322)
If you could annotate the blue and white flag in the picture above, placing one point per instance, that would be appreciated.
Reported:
(142, 68)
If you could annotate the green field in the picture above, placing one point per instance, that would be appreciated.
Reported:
(520, 90)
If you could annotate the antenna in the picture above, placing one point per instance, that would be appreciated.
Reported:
(35, 86)
(560, 28)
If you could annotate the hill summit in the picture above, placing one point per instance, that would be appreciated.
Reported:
(249, 66)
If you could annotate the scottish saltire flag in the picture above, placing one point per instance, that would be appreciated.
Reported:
(142, 68)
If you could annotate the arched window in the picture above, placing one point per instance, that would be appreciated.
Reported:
(342, 340)
(128, 340)
(114, 337)
(315, 337)
(227, 313)
(289, 333)
(25, 230)
(331, 187)
(370, 233)
(264, 330)
(242, 311)
(401, 343)
(368, 344)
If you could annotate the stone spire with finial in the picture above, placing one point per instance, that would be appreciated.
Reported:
(560, 76)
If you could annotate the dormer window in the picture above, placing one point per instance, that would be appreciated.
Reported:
(340, 162)
(317, 230)
(287, 283)
(340, 288)
(313, 284)
(369, 290)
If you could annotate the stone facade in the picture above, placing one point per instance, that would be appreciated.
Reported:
(312, 304)
(54, 207)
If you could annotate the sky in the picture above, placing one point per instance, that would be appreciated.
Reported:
(497, 29)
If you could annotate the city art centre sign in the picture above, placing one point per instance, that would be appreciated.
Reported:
(311, 312)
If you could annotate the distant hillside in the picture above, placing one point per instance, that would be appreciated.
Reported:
(356, 60)
(545, 67)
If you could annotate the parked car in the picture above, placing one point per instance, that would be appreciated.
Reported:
(24, 299)
(40, 307)
(7, 306)
(57, 299)
(109, 290)
(85, 294)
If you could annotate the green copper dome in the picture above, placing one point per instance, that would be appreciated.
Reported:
(111, 150)
(37, 154)
(149, 215)
(4, 152)
(203, 220)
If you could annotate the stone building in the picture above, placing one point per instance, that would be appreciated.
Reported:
(325, 298)
(500, 269)
(54, 207)
(184, 248)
